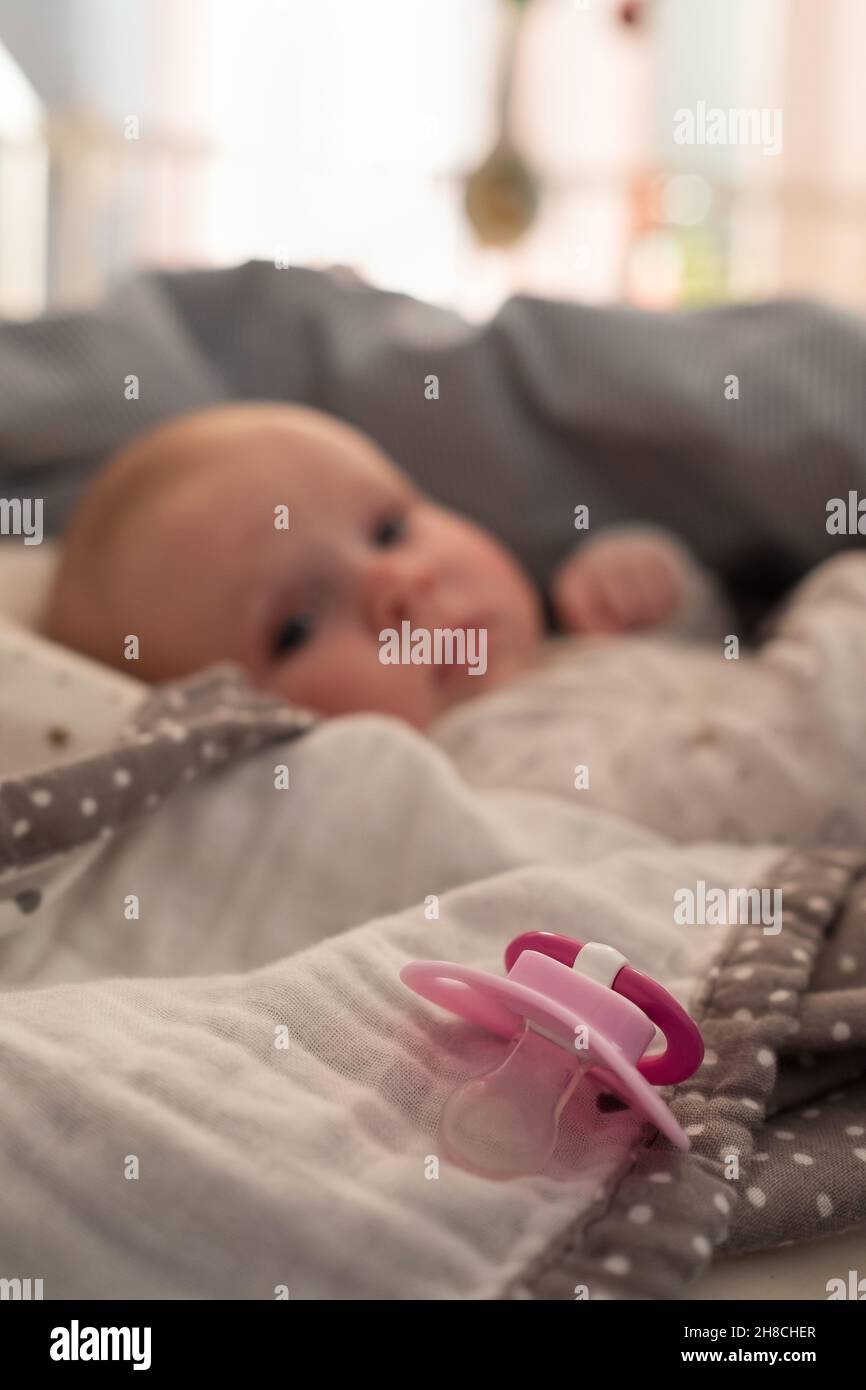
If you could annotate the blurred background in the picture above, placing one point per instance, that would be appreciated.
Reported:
(460, 150)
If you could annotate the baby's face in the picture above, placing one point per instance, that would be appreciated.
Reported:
(205, 574)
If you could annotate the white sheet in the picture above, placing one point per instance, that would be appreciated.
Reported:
(304, 1166)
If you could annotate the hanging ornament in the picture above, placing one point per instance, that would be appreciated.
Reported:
(502, 196)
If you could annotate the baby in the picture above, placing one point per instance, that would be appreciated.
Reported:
(286, 541)
(180, 542)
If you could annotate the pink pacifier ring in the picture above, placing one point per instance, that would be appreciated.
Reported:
(685, 1046)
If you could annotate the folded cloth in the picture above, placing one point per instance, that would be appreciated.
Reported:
(227, 1090)
(214, 1085)
(177, 735)
(776, 1113)
(696, 741)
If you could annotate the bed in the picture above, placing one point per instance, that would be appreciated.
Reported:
(214, 1084)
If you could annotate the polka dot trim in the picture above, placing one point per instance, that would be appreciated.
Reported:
(82, 800)
(640, 1214)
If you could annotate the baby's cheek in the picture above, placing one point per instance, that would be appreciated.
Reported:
(345, 676)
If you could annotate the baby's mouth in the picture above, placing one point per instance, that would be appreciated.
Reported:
(447, 674)
(465, 677)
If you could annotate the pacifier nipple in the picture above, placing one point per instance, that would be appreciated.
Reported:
(504, 1124)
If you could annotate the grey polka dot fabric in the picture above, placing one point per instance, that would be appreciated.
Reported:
(776, 1114)
(187, 730)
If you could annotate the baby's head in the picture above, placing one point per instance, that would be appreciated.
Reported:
(182, 542)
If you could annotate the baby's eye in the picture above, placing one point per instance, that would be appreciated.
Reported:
(292, 635)
(389, 531)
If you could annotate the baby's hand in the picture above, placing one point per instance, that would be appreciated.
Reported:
(621, 584)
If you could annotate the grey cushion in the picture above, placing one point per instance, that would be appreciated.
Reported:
(547, 406)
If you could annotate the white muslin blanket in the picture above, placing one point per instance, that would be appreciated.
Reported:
(233, 1095)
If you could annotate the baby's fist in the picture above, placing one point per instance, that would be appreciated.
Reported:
(623, 583)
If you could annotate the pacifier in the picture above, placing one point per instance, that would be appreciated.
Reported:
(568, 1009)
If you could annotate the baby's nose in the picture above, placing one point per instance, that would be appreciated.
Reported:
(398, 591)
